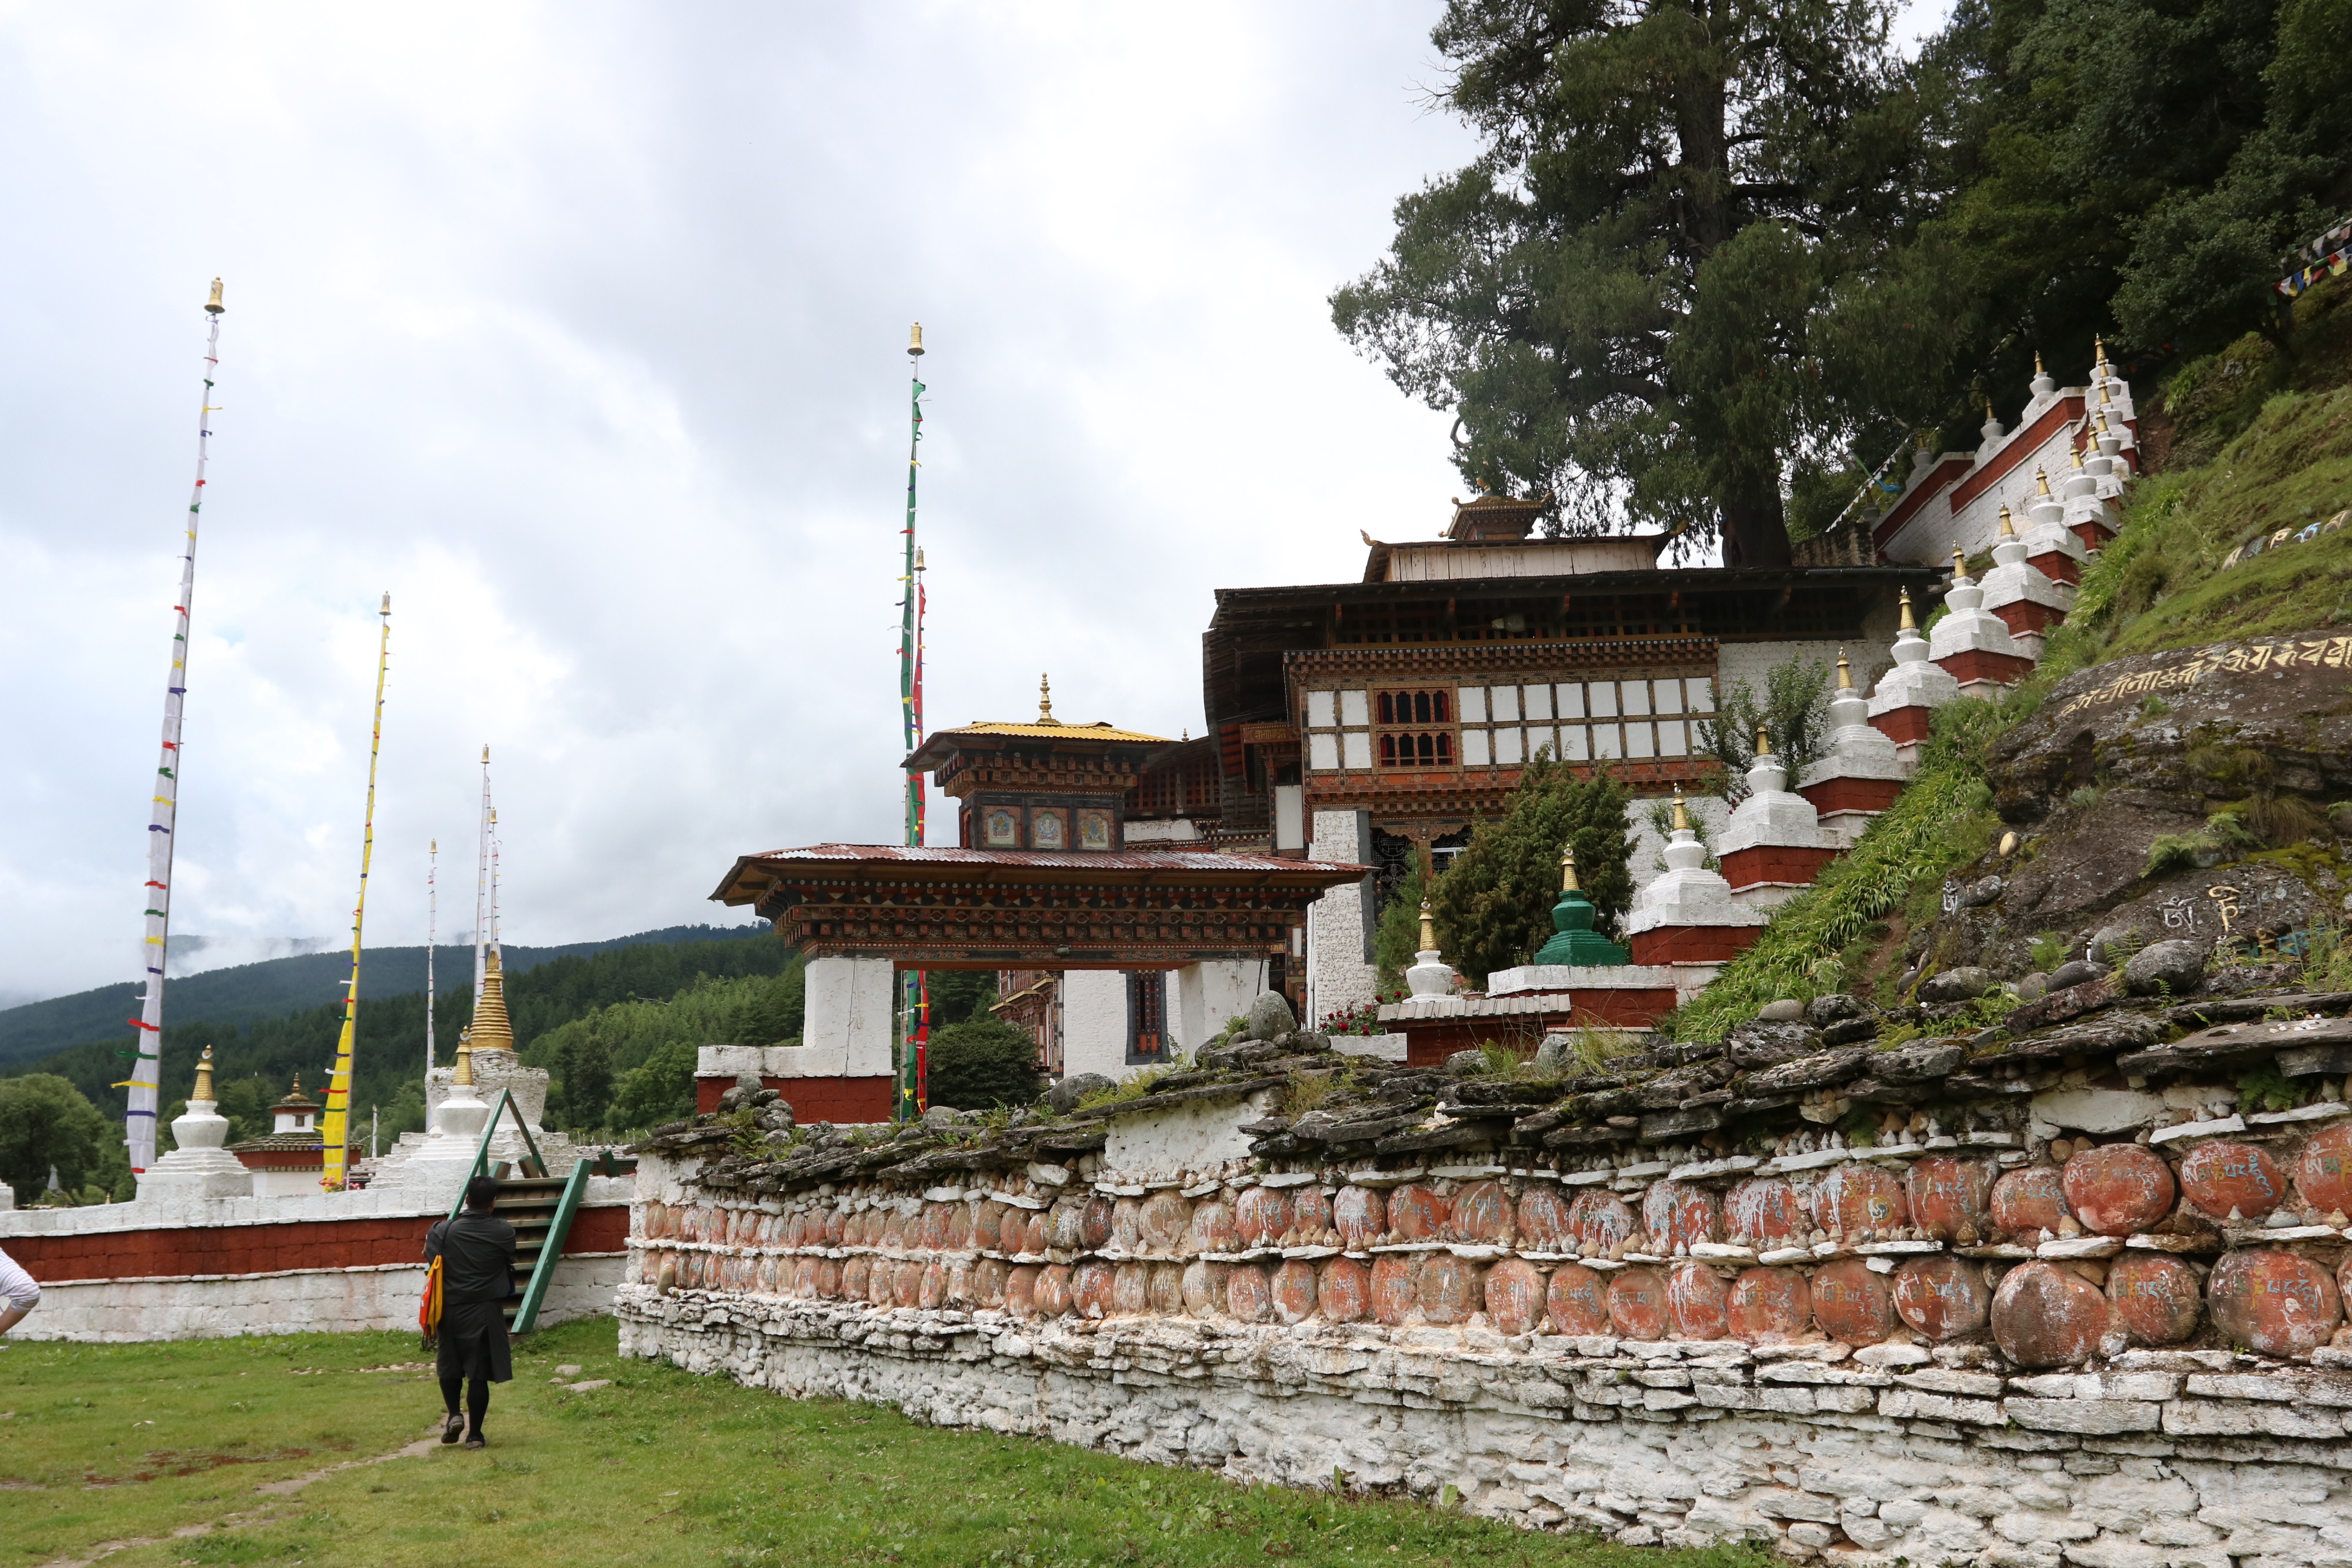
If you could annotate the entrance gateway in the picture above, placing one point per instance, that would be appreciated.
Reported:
(1147, 947)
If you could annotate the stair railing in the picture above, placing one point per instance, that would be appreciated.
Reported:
(551, 1251)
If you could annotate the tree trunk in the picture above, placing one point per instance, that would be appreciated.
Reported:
(1755, 533)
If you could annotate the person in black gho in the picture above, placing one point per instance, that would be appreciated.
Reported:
(477, 1249)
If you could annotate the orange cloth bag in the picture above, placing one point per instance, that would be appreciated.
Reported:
(428, 1311)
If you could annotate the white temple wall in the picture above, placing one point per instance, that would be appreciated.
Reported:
(1211, 990)
(1094, 1022)
(1338, 977)
(846, 1031)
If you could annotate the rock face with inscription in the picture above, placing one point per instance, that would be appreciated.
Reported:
(2147, 790)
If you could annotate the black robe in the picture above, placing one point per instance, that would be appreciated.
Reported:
(478, 1254)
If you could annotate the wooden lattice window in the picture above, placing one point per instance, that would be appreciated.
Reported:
(1416, 728)
(1147, 1018)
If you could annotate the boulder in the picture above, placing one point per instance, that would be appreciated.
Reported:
(1962, 985)
(1758, 1044)
(1466, 1064)
(1786, 1011)
(2033, 987)
(1984, 891)
(1270, 1017)
(1553, 1058)
(1834, 1008)
(944, 1116)
(2166, 968)
(1066, 1095)
(2073, 973)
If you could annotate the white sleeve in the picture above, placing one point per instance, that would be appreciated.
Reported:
(17, 1286)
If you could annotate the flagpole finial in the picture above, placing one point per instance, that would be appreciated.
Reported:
(915, 341)
(387, 603)
(1045, 700)
(213, 304)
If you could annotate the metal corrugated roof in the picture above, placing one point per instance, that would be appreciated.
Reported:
(1098, 731)
(1051, 860)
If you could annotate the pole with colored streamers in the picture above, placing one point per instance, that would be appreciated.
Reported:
(432, 923)
(334, 1126)
(916, 992)
(145, 1082)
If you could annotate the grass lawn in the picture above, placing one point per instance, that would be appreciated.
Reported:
(213, 1439)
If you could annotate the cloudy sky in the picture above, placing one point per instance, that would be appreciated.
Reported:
(580, 330)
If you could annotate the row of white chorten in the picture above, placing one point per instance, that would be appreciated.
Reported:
(1989, 637)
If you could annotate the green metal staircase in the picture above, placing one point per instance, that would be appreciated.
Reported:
(539, 1206)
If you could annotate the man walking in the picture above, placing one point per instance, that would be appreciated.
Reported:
(477, 1249)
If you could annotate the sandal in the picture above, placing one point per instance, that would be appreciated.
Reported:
(453, 1428)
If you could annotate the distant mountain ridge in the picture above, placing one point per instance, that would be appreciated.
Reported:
(274, 987)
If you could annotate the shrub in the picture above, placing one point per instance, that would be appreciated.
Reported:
(1493, 903)
(981, 1063)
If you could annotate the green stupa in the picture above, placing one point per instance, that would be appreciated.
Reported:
(1574, 940)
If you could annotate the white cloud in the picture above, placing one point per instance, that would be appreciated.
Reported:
(577, 328)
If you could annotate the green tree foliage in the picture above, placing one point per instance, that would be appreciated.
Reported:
(583, 1068)
(658, 1090)
(46, 1122)
(1397, 936)
(1493, 903)
(960, 994)
(983, 1062)
(1794, 713)
(1632, 298)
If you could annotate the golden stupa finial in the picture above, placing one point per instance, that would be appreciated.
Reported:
(213, 304)
(2103, 421)
(915, 341)
(2078, 454)
(1959, 561)
(1763, 740)
(1682, 812)
(490, 1020)
(2100, 343)
(1428, 928)
(298, 1084)
(1567, 870)
(1989, 413)
(1045, 700)
(1907, 624)
(2008, 525)
(1845, 683)
(2042, 479)
(204, 1090)
(2038, 371)
(464, 1078)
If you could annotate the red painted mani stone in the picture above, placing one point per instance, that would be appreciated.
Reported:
(1950, 1198)
(2044, 1315)
(1052, 1290)
(1127, 1225)
(1637, 1305)
(1344, 1290)
(1851, 1303)
(987, 1225)
(1576, 1300)
(2221, 1176)
(931, 1236)
(1019, 1291)
(907, 1287)
(1166, 1218)
(2119, 1188)
(1130, 1290)
(1394, 1276)
(2029, 1200)
(1853, 1198)
(1694, 1302)
(1032, 1231)
(1598, 1221)
(1360, 1215)
(1543, 1219)
(1677, 1213)
(1261, 1215)
(1768, 1306)
(1213, 1227)
(1764, 1211)
(1482, 1212)
(987, 1282)
(1514, 1296)
(1447, 1289)
(1293, 1291)
(2153, 1297)
(932, 1286)
(1090, 1287)
(828, 1281)
(1168, 1290)
(1310, 1211)
(2323, 1173)
(2274, 1300)
(1249, 1295)
(894, 1231)
(1942, 1298)
(1416, 1213)
(1065, 1225)
(1204, 1287)
(857, 1278)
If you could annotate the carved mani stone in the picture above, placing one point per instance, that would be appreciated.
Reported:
(1637, 1305)
(1261, 1215)
(2154, 1297)
(1416, 1213)
(1447, 1289)
(1344, 1290)
(2271, 1300)
(1854, 1198)
(2029, 1200)
(1293, 1291)
(1764, 1211)
(1543, 1219)
(1482, 1212)
(2221, 1176)
(1942, 1297)
(1360, 1215)
(1515, 1295)
(1767, 1305)
(2119, 1188)
(1694, 1302)
(1851, 1303)
(1950, 1197)
(1249, 1295)
(2044, 1315)
(1165, 1219)
(1677, 1213)
(1576, 1300)
(1394, 1275)
(2323, 1173)
(1599, 1221)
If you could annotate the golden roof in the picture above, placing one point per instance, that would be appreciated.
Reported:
(1098, 731)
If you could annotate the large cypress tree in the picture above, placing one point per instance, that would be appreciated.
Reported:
(1629, 297)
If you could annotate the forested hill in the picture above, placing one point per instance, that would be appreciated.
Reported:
(249, 992)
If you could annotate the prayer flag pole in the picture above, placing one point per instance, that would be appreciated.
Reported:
(334, 1126)
(432, 922)
(145, 1082)
(482, 879)
(915, 992)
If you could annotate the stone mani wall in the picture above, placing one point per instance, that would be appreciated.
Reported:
(1949, 1349)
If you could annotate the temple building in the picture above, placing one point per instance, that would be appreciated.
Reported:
(290, 1158)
